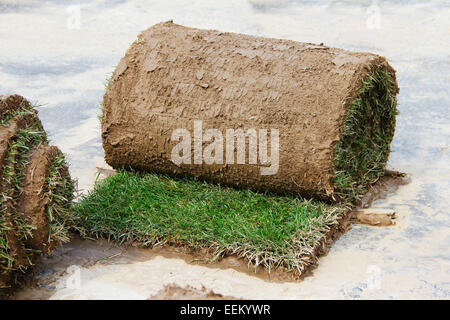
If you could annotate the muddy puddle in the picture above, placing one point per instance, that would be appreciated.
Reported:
(53, 271)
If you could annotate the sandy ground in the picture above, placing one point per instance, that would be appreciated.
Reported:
(49, 58)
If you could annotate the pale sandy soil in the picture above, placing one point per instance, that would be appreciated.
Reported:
(64, 70)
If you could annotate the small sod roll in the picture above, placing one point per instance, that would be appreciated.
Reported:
(36, 191)
(251, 112)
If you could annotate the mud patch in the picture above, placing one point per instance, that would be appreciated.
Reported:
(380, 217)
(33, 200)
(388, 183)
(174, 292)
(374, 217)
(51, 268)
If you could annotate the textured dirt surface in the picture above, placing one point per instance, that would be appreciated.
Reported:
(174, 292)
(11, 103)
(15, 248)
(7, 133)
(172, 75)
(32, 202)
(8, 104)
(379, 218)
(31, 205)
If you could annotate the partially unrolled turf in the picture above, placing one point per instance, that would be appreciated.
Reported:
(267, 230)
(335, 111)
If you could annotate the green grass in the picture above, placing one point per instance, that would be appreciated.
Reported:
(60, 193)
(363, 150)
(268, 230)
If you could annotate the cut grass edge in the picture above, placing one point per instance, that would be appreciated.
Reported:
(17, 158)
(361, 154)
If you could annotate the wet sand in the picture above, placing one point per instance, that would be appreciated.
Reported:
(64, 70)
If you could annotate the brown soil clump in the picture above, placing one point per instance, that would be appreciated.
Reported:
(174, 292)
(375, 217)
(12, 103)
(8, 132)
(33, 200)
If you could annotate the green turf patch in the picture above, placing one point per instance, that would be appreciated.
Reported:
(363, 150)
(147, 208)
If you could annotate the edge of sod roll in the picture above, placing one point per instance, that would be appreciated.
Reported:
(34, 181)
(363, 150)
(13, 230)
(60, 193)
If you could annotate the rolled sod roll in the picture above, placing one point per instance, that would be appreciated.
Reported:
(251, 112)
(35, 191)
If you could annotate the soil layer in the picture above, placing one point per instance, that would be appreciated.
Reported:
(33, 199)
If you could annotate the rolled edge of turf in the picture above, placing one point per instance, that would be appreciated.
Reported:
(362, 151)
(36, 191)
(11, 105)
